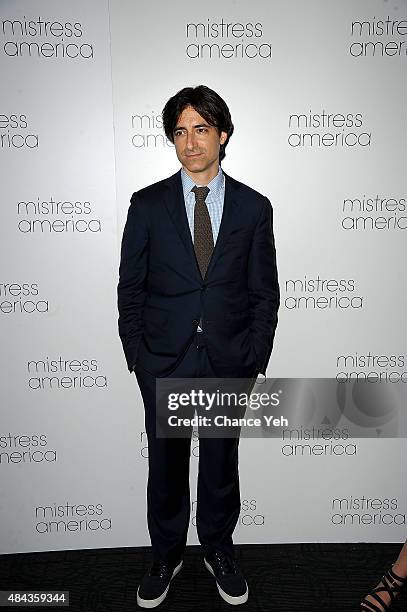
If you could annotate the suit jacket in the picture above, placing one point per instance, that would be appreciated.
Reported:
(162, 295)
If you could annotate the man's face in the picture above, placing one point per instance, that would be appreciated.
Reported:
(197, 143)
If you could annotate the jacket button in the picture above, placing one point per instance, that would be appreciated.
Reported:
(195, 322)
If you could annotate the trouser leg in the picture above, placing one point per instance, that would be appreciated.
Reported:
(218, 492)
(218, 503)
(168, 491)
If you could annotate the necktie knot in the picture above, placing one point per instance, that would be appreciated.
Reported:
(200, 193)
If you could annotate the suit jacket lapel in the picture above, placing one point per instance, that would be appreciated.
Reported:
(174, 201)
(230, 216)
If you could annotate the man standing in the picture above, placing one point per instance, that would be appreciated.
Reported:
(198, 296)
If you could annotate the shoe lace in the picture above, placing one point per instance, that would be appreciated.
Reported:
(225, 564)
(159, 569)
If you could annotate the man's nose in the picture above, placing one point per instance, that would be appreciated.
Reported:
(190, 140)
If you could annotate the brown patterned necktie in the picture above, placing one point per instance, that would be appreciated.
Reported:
(203, 236)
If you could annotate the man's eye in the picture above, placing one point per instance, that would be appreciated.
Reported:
(178, 133)
(202, 130)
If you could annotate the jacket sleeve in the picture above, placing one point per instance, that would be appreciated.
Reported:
(132, 286)
(264, 293)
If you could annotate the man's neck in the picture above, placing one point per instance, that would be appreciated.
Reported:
(203, 178)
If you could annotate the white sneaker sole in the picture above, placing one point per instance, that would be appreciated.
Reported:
(153, 603)
(234, 601)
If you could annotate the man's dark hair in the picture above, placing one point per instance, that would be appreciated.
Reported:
(207, 103)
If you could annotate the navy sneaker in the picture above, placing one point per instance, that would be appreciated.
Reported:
(155, 584)
(231, 584)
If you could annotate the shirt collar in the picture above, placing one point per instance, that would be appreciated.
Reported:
(214, 185)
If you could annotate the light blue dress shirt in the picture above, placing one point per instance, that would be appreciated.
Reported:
(214, 201)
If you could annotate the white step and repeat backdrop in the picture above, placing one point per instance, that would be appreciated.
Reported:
(317, 92)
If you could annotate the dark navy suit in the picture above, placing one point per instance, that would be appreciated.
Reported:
(161, 293)
(161, 299)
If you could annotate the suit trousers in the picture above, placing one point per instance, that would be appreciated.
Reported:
(168, 491)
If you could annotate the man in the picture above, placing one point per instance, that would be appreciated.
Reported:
(198, 296)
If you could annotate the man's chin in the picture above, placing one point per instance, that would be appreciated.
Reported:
(196, 165)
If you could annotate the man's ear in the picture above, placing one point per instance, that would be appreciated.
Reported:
(223, 137)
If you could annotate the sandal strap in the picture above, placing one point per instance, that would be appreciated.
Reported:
(368, 606)
(394, 576)
(390, 586)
